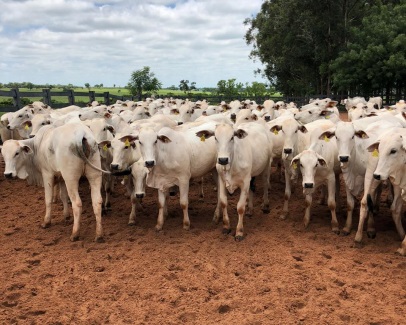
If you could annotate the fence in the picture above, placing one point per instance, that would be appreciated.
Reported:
(19, 98)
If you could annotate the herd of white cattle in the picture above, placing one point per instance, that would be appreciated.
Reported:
(164, 143)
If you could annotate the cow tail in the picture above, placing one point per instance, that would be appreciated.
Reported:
(84, 150)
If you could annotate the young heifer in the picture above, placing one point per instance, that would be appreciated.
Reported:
(59, 154)
(241, 155)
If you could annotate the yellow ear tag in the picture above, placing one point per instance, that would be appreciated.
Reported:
(375, 153)
(203, 138)
(105, 147)
(176, 113)
(125, 176)
(294, 165)
(275, 132)
(127, 143)
(364, 136)
(326, 138)
(327, 117)
(26, 127)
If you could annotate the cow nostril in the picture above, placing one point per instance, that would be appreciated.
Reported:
(31, 136)
(114, 166)
(180, 123)
(8, 175)
(139, 196)
(267, 118)
(344, 158)
(149, 163)
(377, 177)
(308, 185)
(8, 127)
(287, 150)
(223, 161)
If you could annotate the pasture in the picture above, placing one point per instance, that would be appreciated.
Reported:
(280, 273)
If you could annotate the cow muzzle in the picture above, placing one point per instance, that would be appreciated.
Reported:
(223, 161)
(8, 175)
(149, 163)
(377, 177)
(139, 195)
(287, 151)
(343, 159)
(114, 166)
(308, 185)
(180, 123)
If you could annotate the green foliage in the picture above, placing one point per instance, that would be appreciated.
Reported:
(143, 80)
(229, 88)
(184, 86)
(375, 58)
(87, 85)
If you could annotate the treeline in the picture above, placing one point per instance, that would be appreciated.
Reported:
(331, 47)
(30, 85)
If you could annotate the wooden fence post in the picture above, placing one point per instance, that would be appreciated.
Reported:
(106, 98)
(71, 97)
(91, 96)
(15, 93)
(46, 96)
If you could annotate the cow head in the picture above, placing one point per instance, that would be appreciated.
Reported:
(15, 154)
(148, 140)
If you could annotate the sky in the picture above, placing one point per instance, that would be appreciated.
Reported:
(103, 41)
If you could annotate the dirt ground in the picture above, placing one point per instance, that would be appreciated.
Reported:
(280, 273)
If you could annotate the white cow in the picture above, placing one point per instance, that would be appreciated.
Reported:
(59, 154)
(241, 154)
(173, 158)
(391, 153)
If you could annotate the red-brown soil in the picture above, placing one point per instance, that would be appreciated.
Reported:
(280, 273)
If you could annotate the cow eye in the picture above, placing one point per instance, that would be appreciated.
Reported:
(43, 123)
(16, 153)
(156, 140)
(352, 137)
(301, 165)
(104, 129)
(215, 139)
(393, 151)
(316, 165)
(140, 142)
(310, 112)
(20, 116)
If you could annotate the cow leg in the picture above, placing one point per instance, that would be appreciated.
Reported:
(55, 193)
(161, 205)
(201, 189)
(239, 234)
(397, 210)
(288, 193)
(338, 203)
(308, 203)
(184, 203)
(223, 203)
(107, 189)
(218, 210)
(402, 249)
(48, 180)
(72, 188)
(248, 212)
(65, 199)
(323, 194)
(331, 201)
(265, 181)
(350, 208)
(97, 201)
(131, 219)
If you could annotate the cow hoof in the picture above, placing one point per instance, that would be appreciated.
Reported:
(158, 228)
(131, 223)
(45, 225)
(74, 238)
(345, 232)
(266, 210)
(371, 234)
(186, 227)
(239, 238)
(226, 231)
(99, 240)
(358, 244)
(401, 252)
(337, 232)
(216, 220)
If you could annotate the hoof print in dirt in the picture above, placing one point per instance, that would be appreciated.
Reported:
(224, 309)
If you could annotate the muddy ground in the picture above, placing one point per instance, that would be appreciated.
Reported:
(280, 273)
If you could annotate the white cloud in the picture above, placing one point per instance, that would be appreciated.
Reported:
(78, 41)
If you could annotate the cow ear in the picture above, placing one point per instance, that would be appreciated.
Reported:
(321, 161)
(373, 147)
(361, 134)
(371, 114)
(275, 129)
(260, 107)
(111, 129)
(404, 115)
(27, 149)
(147, 114)
(192, 111)
(240, 134)
(326, 113)
(174, 111)
(302, 129)
(107, 115)
(254, 117)
(164, 139)
(204, 134)
(327, 134)
(129, 138)
(332, 103)
(104, 145)
(294, 164)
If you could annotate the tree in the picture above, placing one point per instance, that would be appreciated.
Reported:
(184, 85)
(229, 88)
(375, 61)
(143, 80)
(87, 85)
(257, 89)
(297, 40)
